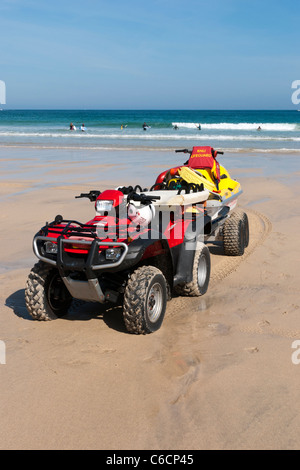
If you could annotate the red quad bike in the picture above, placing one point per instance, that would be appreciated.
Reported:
(141, 246)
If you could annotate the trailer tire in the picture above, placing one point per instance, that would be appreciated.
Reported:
(246, 229)
(46, 296)
(242, 215)
(234, 236)
(201, 274)
(145, 300)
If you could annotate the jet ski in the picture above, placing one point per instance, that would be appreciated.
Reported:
(203, 171)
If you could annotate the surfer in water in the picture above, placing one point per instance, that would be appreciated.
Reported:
(175, 127)
(199, 127)
(259, 128)
(72, 127)
(83, 129)
(145, 126)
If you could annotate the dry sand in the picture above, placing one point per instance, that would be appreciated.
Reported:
(217, 375)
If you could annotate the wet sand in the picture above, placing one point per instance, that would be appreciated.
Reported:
(217, 375)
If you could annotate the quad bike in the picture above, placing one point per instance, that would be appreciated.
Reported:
(141, 246)
(137, 250)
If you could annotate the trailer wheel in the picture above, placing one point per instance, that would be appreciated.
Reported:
(234, 236)
(201, 274)
(145, 300)
(242, 215)
(46, 296)
(246, 229)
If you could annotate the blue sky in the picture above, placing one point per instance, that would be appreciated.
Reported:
(175, 54)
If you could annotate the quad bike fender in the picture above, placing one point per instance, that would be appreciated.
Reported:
(184, 253)
(143, 249)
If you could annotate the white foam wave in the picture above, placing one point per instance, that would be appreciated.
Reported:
(241, 126)
(241, 150)
(152, 136)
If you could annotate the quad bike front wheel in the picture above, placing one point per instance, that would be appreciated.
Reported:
(145, 300)
(46, 296)
(201, 274)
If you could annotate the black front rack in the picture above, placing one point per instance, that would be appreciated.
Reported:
(69, 229)
(83, 230)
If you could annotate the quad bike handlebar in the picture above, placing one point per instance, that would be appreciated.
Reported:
(92, 195)
(132, 195)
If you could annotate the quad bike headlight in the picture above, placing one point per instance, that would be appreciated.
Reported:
(104, 206)
(113, 254)
(50, 247)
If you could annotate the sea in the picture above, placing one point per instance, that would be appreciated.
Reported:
(230, 131)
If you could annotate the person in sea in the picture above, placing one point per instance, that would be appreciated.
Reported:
(145, 126)
(199, 127)
(259, 128)
(83, 129)
(175, 127)
(72, 128)
(123, 126)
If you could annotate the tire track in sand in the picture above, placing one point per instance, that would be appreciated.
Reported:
(260, 228)
(222, 266)
(179, 354)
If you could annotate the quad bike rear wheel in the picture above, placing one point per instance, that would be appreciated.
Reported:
(145, 300)
(46, 296)
(201, 274)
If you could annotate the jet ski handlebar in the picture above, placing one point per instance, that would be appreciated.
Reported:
(190, 151)
(183, 151)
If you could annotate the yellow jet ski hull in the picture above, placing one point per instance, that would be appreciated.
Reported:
(225, 194)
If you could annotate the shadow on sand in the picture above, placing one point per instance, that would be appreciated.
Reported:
(216, 249)
(79, 311)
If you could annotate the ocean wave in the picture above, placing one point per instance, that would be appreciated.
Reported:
(227, 150)
(241, 126)
(148, 136)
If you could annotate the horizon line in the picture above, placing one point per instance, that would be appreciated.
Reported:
(144, 109)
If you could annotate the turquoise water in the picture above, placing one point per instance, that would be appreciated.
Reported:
(232, 131)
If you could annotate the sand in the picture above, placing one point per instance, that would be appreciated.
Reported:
(217, 375)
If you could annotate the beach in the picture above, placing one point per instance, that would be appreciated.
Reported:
(217, 375)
